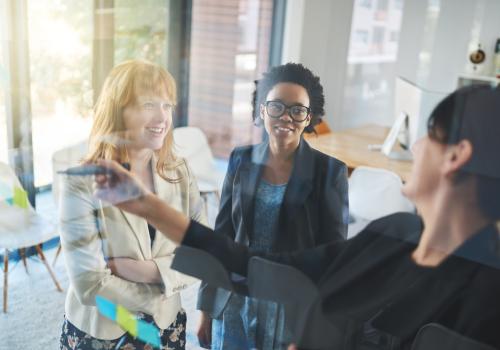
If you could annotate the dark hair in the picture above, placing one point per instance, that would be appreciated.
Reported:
(443, 126)
(291, 73)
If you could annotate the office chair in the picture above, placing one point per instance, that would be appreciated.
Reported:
(192, 144)
(268, 280)
(61, 160)
(374, 193)
(434, 336)
(20, 225)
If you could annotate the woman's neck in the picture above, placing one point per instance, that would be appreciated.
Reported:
(139, 159)
(448, 222)
(281, 152)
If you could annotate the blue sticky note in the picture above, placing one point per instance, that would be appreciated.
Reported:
(106, 307)
(148, 333)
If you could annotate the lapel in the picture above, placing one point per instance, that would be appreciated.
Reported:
(137, 224)
(299, 185)
(250, 173)
(166, 191)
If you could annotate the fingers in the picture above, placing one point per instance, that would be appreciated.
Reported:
(293, 347)
(115, 170)
(205, 332)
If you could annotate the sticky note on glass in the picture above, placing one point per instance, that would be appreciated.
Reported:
(20, 197)
(144, 331)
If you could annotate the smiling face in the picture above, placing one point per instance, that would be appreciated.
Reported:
(284, 130)
(147, 122)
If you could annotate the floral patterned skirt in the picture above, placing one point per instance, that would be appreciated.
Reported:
(172, 338)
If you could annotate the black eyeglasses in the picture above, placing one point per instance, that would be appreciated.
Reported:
(275, 109)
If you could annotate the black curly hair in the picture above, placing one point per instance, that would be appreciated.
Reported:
(291, 73)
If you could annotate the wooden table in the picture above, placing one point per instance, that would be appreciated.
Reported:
(351, 147)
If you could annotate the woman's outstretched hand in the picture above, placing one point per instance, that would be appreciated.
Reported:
(120, 187)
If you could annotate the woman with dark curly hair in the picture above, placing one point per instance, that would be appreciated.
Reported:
(278, 196)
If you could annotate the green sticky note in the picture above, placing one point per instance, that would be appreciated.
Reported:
(20, 197)
(126, 320)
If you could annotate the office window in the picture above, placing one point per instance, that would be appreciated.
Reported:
(382, 5)
(60, 41)
(3, 87)
(63, 63)
(365, 3)
(361, 36)
(141, 30)
(371, 64)
(229, 49)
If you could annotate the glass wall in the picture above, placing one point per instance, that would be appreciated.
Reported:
(3, 87)
(60, 39)
(63, 74)
(371, 62)
(229, 50)
(141, 31)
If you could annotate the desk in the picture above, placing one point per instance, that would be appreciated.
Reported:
(351, 147)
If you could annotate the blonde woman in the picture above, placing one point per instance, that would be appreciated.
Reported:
(109, 252)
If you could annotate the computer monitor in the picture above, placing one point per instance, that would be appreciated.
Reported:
(416, 103)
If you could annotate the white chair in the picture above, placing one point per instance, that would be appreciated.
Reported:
(374, 193)
(61, 160)
(20, 225)
(192, 144)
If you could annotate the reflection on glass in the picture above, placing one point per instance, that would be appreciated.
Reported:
(229, 50)
(141, 30)
(3, 88)
(60, 39)
(371, 59)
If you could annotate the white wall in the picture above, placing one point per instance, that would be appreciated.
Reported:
(435, 40)
(434, 51)
(317, 35)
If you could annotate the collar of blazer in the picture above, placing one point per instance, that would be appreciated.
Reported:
(299, 185)
(137, 224)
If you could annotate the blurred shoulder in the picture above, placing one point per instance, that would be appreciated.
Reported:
(403, 225)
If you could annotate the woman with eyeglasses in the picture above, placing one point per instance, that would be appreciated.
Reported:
(278, 196)
(114, 254)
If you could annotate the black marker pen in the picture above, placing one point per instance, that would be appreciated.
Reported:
(89, 169)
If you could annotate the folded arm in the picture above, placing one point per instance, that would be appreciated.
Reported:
(85, 260)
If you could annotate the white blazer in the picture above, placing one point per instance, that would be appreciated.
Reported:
(92, 231)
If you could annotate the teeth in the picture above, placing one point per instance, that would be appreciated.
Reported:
(156, 130)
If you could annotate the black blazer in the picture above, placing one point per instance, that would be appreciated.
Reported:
(314, 210)
(356, 281)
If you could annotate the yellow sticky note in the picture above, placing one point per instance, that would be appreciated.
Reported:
(20, 197)
(126, 320)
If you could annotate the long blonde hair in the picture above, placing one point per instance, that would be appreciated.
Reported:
(123, 85)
